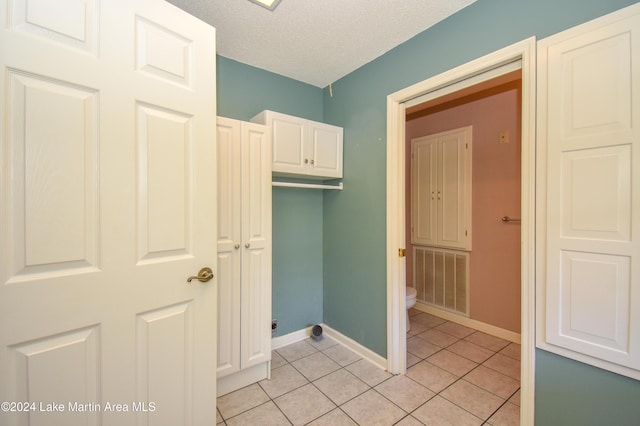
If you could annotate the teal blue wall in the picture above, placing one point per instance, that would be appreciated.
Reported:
(571, 393)
(244, 91)
(350, 232)
(354, 220)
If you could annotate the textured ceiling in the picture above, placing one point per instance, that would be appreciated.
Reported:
(316, 41)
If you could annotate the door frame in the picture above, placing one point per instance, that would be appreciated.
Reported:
(449, 81)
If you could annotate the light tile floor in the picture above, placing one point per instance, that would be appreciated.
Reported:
(455, 376)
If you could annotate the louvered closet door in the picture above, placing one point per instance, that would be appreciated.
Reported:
(590, 99)
(424, 188)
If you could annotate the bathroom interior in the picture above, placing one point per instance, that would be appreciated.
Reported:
(492, 299)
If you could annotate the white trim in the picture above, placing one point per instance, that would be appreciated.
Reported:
(242, 378)
(296, 336)
(287, 339)
(356, 347)
(396, 329)
(339, 186)
(467, 82)
(468, 322)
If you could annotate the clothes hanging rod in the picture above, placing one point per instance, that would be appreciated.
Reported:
(339, 187)
(507, 219)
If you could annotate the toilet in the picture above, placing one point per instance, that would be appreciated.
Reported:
(411, 301)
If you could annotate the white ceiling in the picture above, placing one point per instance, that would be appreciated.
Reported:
(316, 41)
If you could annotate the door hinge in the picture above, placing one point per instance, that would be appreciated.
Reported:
(466, 233)
(402, 252)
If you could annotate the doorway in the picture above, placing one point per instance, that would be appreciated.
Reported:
(521, 54)
(478, 283)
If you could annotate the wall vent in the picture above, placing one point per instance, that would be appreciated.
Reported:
(441, 278)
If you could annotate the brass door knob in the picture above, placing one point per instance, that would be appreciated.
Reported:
(204, 275)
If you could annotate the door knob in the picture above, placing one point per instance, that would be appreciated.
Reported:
(204, 275)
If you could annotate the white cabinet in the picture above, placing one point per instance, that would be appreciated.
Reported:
(588, 194)
(441, 189)
(303, 148)
(244, 253)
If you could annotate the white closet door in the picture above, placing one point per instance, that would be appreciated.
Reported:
(424, 188)
(454, 189)
(107, 154)
(589, 98)
(229, 239)
(441, 189)
(256, 244)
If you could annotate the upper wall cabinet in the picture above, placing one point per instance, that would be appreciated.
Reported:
(303, 148)
(441, 189)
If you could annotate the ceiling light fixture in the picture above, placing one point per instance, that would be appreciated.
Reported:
(268, 4)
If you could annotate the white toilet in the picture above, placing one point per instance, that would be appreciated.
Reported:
(411, 301)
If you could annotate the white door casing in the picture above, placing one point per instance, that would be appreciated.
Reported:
(521, 55)
(107, 181)
(589, 96)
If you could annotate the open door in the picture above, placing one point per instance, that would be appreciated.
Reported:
(107, 187)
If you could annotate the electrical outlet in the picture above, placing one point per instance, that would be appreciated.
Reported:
(274, 326)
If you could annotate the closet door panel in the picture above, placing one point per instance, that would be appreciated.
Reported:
(424, 188)
(256, 260)
(451, 191)
(590, 88)
(229, 180)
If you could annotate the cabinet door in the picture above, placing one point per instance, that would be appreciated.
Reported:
(441, 189)
(256, 245)
(325, 150)
(229, 238)
(589, 101)
(424, 155)
(453, 193)
(289, 139)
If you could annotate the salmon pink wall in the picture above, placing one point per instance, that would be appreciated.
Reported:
(495, 255)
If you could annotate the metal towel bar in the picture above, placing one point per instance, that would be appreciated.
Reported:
(507, 219)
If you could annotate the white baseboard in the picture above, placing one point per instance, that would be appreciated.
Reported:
(296, 336)
(356, 347)
(475, 324)
(287, 339)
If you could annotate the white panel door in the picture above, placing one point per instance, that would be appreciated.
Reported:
(107, 187)
(454, 189)
(229, 239)
(589, 101)
(424, 188)
(256, 245)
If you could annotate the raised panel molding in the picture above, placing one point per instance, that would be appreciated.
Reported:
(594, 308)
(164, 174)
(597, 107)
(162, 53)
(164, 362)
(53, 193)
(71, 358)
(76, 27)
(588, 302)
(597, 193)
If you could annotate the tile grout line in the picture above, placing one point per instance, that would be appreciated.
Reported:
(317, 350)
